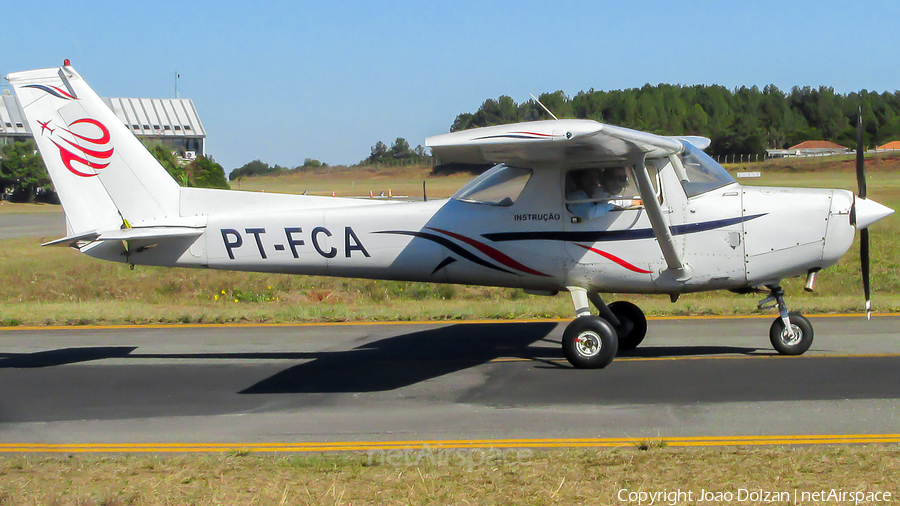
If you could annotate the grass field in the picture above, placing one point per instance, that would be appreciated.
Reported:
(584, 476)
(359, 181)
(51, 286)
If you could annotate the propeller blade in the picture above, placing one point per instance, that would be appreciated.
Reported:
(864, 232)
(864, 261)
(860, 157)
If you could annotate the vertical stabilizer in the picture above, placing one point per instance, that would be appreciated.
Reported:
(106, 179)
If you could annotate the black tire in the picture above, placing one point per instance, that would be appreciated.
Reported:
(633, 324)
(590, 342)
(803, 335)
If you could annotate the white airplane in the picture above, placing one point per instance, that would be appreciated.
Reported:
(572, 205)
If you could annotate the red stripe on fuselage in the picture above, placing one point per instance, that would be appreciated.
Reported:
(615, 259)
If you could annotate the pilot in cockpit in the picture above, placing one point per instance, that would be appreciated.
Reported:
(598, 191)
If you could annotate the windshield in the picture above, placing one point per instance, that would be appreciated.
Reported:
(701, 173)
(499, 186)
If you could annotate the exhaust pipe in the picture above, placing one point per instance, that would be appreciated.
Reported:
(811, 280)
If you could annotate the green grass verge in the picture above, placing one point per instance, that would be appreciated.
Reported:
(583, 476)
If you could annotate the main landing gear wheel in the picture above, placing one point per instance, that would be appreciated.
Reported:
(633, 324)
(801, 340)
(590, 342)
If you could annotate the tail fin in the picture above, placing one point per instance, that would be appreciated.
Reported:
(106, 179)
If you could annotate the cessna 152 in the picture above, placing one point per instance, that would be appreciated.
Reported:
(571, 205)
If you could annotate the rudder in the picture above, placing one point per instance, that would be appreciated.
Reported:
(106, 179)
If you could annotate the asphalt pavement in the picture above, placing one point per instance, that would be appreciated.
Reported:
(705, 377)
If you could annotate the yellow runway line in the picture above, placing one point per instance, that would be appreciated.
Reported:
(714, 357)
(424, 322)
(365, 446)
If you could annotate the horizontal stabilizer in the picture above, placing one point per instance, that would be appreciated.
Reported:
(73, 240)
(128, 234)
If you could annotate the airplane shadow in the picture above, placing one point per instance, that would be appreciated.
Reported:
(387, 364)
(63, 356)
(407, 359)
(694, 351)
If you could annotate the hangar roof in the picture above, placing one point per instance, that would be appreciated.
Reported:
(147, 117)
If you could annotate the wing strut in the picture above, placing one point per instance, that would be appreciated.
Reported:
(662, 232)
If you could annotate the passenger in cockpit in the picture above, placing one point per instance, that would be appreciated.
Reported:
(598, 191)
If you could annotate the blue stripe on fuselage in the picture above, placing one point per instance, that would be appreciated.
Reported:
(615, 235)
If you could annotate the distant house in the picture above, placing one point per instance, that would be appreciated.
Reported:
(809, 148)
(893, 145)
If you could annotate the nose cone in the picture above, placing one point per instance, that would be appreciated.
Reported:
(869, 211)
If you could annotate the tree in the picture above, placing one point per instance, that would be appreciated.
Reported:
(254, 168)
(169, 162)
(22, 168)
(379, 153)
(205, 173)
(312, 163)
(558, 103)
(400, 149)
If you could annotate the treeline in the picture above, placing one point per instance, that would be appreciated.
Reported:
(399, 153)
(23, 176)
(740, 121)
(259, 168)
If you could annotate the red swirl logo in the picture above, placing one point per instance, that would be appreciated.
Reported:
(84, 151)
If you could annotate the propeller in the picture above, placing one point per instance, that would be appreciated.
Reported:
(864, 232)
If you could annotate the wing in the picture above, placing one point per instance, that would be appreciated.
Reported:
(568, 141)
(571, 142)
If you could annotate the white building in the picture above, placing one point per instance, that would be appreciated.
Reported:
(174, 122)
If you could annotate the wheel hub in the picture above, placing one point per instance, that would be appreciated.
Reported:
(789, 340)
(588, 344)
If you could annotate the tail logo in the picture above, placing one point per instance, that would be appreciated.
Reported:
(53, 90)
(83, 151)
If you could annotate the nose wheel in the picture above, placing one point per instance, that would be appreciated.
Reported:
(795, 342)
(791, 333)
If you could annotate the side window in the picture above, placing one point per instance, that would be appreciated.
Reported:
(597, 184)
(593, 192)
(500, 186)
(654, 167)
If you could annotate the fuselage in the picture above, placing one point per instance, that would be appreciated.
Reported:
(731, 237)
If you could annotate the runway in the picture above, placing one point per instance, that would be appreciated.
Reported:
(49, 225)
(325, 387)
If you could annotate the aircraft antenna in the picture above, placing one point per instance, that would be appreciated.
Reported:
(544, 106)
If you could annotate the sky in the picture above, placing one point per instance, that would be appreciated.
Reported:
(285, 81)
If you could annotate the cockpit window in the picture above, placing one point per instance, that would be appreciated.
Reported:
(593, 192)
(500, 186)
(701, 173)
